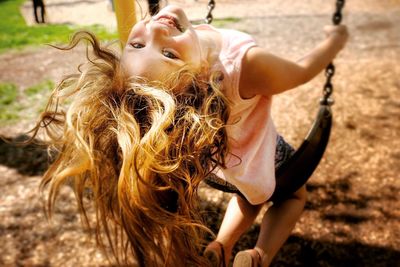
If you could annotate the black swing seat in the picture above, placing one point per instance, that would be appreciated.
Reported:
(295, 171)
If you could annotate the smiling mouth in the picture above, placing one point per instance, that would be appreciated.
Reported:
(170, 21)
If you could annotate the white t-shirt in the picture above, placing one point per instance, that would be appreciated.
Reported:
(251, 131)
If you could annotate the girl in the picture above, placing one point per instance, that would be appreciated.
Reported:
(143, 129)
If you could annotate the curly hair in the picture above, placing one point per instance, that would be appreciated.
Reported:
(141, 150)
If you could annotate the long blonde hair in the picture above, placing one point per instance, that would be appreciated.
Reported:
(142, 151)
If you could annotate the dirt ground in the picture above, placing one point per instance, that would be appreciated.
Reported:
(352, 217)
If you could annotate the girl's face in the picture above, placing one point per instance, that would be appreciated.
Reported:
(162, 45)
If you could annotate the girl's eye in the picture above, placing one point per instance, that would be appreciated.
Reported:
(137, 45)
(169, 54)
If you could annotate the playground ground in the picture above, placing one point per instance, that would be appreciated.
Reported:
(352, 217)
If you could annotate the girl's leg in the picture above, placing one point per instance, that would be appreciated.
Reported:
(277, 224)
(239, 216)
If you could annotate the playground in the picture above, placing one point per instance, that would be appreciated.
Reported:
(352, 216)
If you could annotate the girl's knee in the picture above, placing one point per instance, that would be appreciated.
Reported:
(244, 204)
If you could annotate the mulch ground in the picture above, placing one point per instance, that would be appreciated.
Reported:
(352, 216)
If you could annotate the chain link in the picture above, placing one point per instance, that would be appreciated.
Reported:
(211, 5)
(328, 87)
(330, 69)
(337, 16)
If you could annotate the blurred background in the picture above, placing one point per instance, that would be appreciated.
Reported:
(352, 217)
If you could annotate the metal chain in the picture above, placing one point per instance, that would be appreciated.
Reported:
(211, 5)
(337, 16)
(330, 70)
(328, 87)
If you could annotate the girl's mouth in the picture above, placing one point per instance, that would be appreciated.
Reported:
(170, 21)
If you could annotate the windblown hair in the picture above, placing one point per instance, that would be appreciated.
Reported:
(141, 150)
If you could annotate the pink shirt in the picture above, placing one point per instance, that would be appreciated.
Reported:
(251, 131)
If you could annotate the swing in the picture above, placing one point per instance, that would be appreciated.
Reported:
(296, 171)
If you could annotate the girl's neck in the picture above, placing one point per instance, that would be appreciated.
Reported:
(211, 44)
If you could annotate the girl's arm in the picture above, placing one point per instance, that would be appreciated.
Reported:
(266, 74)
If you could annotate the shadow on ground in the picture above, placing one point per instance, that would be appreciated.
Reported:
(304, 251)
(338, 204)
(31, 159)
(341, 210)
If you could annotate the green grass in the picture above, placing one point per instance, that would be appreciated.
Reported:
(15, 105)
(8, 94)
(222, 23)
(15, 34)
(42, 88)
(8, 102)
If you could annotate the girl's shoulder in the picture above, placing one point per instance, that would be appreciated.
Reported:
(227, 34)
(235, 44)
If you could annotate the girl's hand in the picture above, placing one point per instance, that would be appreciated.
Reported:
(338, 34)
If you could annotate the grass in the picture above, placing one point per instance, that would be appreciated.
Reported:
(221, 23)
(27, 105)
(8, 94)
(8, 102)
(15, 34)
(41, 88)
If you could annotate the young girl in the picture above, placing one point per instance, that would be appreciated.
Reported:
(143, 129)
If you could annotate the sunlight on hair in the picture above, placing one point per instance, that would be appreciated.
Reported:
(141, 149)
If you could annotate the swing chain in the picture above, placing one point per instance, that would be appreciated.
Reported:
(328, 87)
(330, 70)
(211, 5)
(337, 16)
